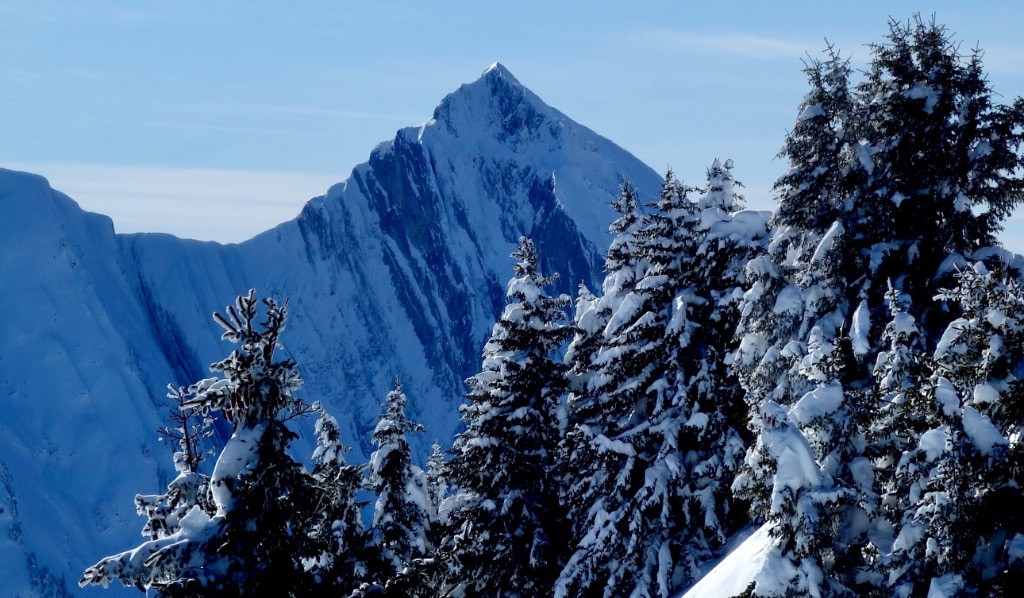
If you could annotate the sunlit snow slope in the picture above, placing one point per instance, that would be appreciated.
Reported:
(397, 272)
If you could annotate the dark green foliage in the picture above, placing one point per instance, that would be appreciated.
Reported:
(818, 149)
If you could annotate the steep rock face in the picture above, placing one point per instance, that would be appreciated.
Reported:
(396, 272)
(399, 271)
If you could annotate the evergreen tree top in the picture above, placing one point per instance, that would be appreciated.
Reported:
(720, 191)
(818, 148)
(330, 451)
(393, 423)
(526, 259)
(622, 263)
(190, 428)
(673, 197)
(942, 152)
(436, 458)
(255, 387)
(627, 207)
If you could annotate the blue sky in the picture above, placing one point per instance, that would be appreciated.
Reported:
(172, 116)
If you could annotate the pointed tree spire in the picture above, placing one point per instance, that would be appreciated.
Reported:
(401, 515)
(722, 189)
(504, 524)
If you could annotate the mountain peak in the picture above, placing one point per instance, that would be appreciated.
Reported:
(498, 70)
(496, 104)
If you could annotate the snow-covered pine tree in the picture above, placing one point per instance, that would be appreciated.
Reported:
(899, 414)
(258, 541)
(911, 151)
(401, 515)
(624, 265)
(628, 501)
(587, 325)
(505, 524)
(623, 269)
(772, 312)
(192, 432)
(437, 488)
(939, 157)
(424, 577)
(586, 409)
(803, 468)
(898, 408)
(961, 484)
(709, 399)
(337, 526)
(818, 149)
(933, 483)
(165, 512)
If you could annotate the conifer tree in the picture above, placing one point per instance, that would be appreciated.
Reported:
(504, 520)
(649, 500)
(900, 407)
(712, 439)
(586, 407)
(939, 152)
(401, 515)
(933, 541)
(960, 483)
(886, 181)
(818, 149)
(437, 488)
(259, 539)
(800, 372)
(587, 326)
(337, 526)
(623, 269)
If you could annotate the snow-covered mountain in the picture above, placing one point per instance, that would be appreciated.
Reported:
(396, 272)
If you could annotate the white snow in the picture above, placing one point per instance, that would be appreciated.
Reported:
(933, 442)
(861, 329)
(985, 393)
(239, 456)
(981, 431)
(949, 337)
(789, 301)
(697, 420)
(923, 91)
(743, 226)
(947, 397)
(828, 241)
(1016, 548)
(812, 111)
(863, 152)
(947, 586)
(737, 570)
(819, 403)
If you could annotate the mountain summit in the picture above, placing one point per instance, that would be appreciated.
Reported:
(397, 272)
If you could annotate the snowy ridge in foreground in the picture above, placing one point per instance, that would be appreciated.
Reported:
(740, 568)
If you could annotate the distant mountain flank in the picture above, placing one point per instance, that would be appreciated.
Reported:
(397, 272)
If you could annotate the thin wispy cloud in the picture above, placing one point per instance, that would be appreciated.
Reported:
(268, 109)
(739, 44)
(186, 125)
(197, 203)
